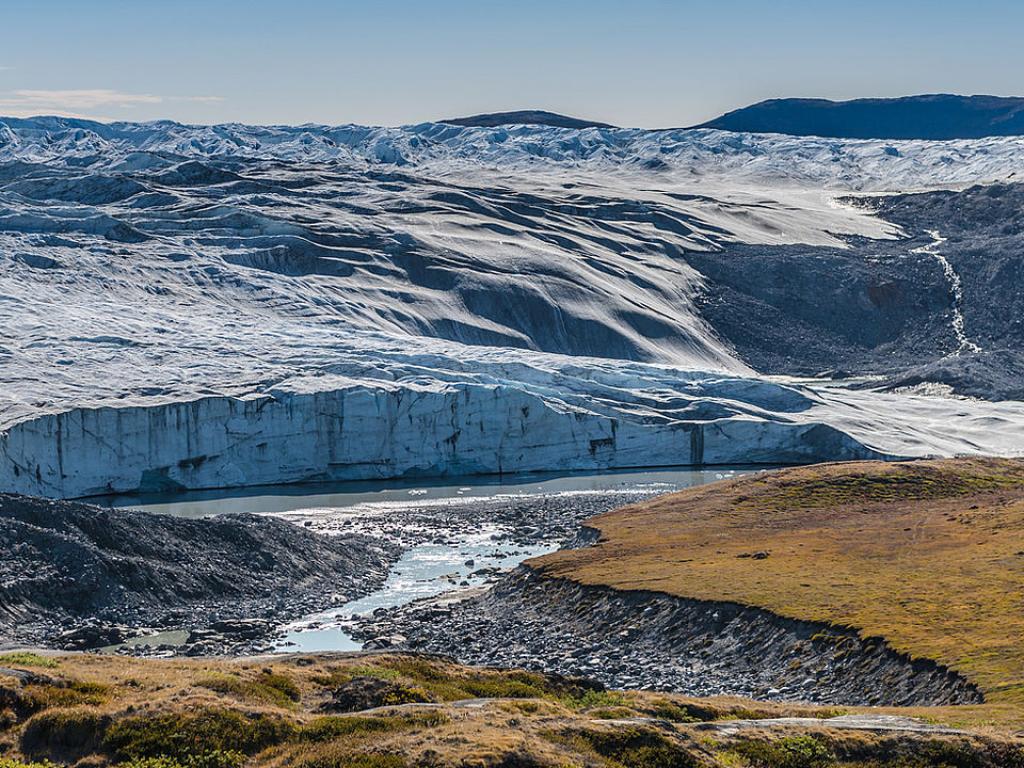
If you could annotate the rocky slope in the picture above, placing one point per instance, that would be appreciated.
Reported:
(941, 306)
(637, 639)
(66, 564)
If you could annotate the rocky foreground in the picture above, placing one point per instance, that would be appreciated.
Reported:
(82, 576)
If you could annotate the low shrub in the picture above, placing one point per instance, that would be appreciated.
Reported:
(631, 747)
(8, 719)
(184, 735)
(214, 759)
(674, 713)
(267, 688)
(594, 699)
(788, 752)
(14, 700)
(28, 659)
(65, 693)
(361, 693)
(349, 760)
(332, 728)
(444, 684)
(7, 762)
(611, 713)
(281, 683)
(63, 734)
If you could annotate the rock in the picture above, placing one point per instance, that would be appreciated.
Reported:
(384, 642)
(204, 636)
(91, 636)
(25, 677)
(670, 644)
(362, 693)
(244, 628)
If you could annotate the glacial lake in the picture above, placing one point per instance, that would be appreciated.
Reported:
(455, 533)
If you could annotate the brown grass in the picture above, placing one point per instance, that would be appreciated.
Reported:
(164, 714)
(928, 555)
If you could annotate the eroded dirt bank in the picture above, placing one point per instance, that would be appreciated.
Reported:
(635, 639)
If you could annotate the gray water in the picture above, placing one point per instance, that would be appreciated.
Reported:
(290, 498)
(449, 531)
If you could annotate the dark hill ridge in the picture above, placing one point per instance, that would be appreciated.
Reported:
(65, 562)
(934, 116)
(524, 117)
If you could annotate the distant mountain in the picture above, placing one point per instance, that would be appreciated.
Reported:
(937, 116)
(525, 117)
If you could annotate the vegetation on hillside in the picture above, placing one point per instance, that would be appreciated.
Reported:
(165, 714)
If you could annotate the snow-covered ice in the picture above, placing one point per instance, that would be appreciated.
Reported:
(227, 305)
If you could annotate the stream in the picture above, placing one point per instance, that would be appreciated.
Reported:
(454, 535)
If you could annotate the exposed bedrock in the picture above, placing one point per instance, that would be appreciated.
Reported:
(388, 430)
(632, 639)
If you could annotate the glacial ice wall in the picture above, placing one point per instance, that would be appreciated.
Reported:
(488, 414)
(362, 431)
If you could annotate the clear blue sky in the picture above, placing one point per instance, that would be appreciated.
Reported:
(643, 63)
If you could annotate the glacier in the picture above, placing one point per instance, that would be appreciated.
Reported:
(222, 306)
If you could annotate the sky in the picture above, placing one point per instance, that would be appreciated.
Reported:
(645, 63)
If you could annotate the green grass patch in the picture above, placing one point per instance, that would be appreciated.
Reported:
(611, 713)
(63, 734)
(594, 699)
(28, 659)
(677, 713)
(332, 728)
(214, 759)
(266, 688)
(788, 752)
(66, 693)
(181, 735)
(9, 762)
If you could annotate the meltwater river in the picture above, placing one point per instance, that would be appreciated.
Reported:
(455, 535)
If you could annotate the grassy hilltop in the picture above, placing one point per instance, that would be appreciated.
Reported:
(927, 555)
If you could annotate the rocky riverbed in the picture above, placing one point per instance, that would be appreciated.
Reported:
(83, 577)
(450, 544)
(78, 576)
